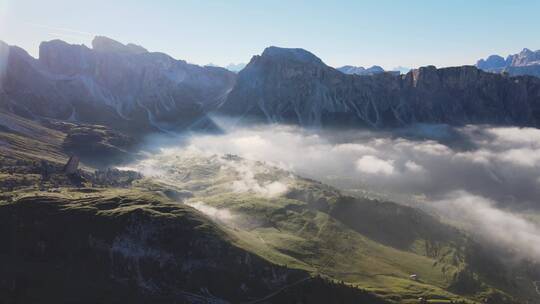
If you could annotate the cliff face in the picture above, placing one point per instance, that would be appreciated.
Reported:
(279, 87)
(119, 85)
(130, 89)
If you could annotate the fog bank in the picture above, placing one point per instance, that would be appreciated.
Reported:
(485, 177)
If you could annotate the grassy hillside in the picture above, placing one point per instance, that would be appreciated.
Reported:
(219, 227)
(116, 245)
(311, 226)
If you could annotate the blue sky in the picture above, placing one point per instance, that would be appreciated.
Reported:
(385, 32)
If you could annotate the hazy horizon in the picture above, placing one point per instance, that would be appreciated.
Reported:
(364, 33)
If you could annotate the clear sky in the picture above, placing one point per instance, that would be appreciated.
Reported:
(389, 33)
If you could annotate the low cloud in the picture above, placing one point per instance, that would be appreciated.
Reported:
(246, 181)
(223, 215)
(489, 175)
(497, 163)
(503, 228)
(373, 165)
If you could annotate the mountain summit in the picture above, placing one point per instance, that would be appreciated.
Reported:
(526, 62)
(349, 69)
(294, 86)
(105, 44)
(122, 86)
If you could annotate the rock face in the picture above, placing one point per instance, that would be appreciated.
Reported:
(349, 69)
(294, 86)
(526, 62)
(122, 86)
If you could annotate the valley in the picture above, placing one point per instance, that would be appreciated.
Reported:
(127, 175)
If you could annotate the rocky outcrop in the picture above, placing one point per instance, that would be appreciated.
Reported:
(122, 86)
(526, 62)
(294, 86)
(98, 146)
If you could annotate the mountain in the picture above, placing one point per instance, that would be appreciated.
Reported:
(401, 69)
(295, 86)
(127, 88)
(235, 67)
(122, 86)
(526, 62)
(349, 69)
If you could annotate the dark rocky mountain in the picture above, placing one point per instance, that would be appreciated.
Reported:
(349, 69)
(526, 62)
(294, 86)
(122, 86)
(130, 89)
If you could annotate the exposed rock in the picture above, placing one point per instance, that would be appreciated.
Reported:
(121, 86)
(294, 86)
(105, 44)
(349, 69)
(526, 62)
(72, 165)
(98, 145)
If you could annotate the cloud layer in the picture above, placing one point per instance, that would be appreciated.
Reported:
(501, 164)
(482, 177)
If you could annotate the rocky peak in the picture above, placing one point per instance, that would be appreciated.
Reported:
(300, 92)
(61, 57)
(526, 62)
(526, 57)
(105, 44)
(492, 62)
(291, 54)
(349, 69)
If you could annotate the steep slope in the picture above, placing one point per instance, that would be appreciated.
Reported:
(122, 86)
(308, 225)
(129, 246)
(526, 62)
(275, 217)
(25, 143)
(294, 86)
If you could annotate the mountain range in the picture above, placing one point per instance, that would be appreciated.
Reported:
(295, 86)
(526, 62)
(136, 91)
(203, 227)
(349, 69)
(123, 86)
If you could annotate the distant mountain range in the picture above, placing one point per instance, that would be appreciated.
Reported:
(354, 70)
(349, 69)
(130, 89)
(235, 67)
(526, 62)
(295, 86)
